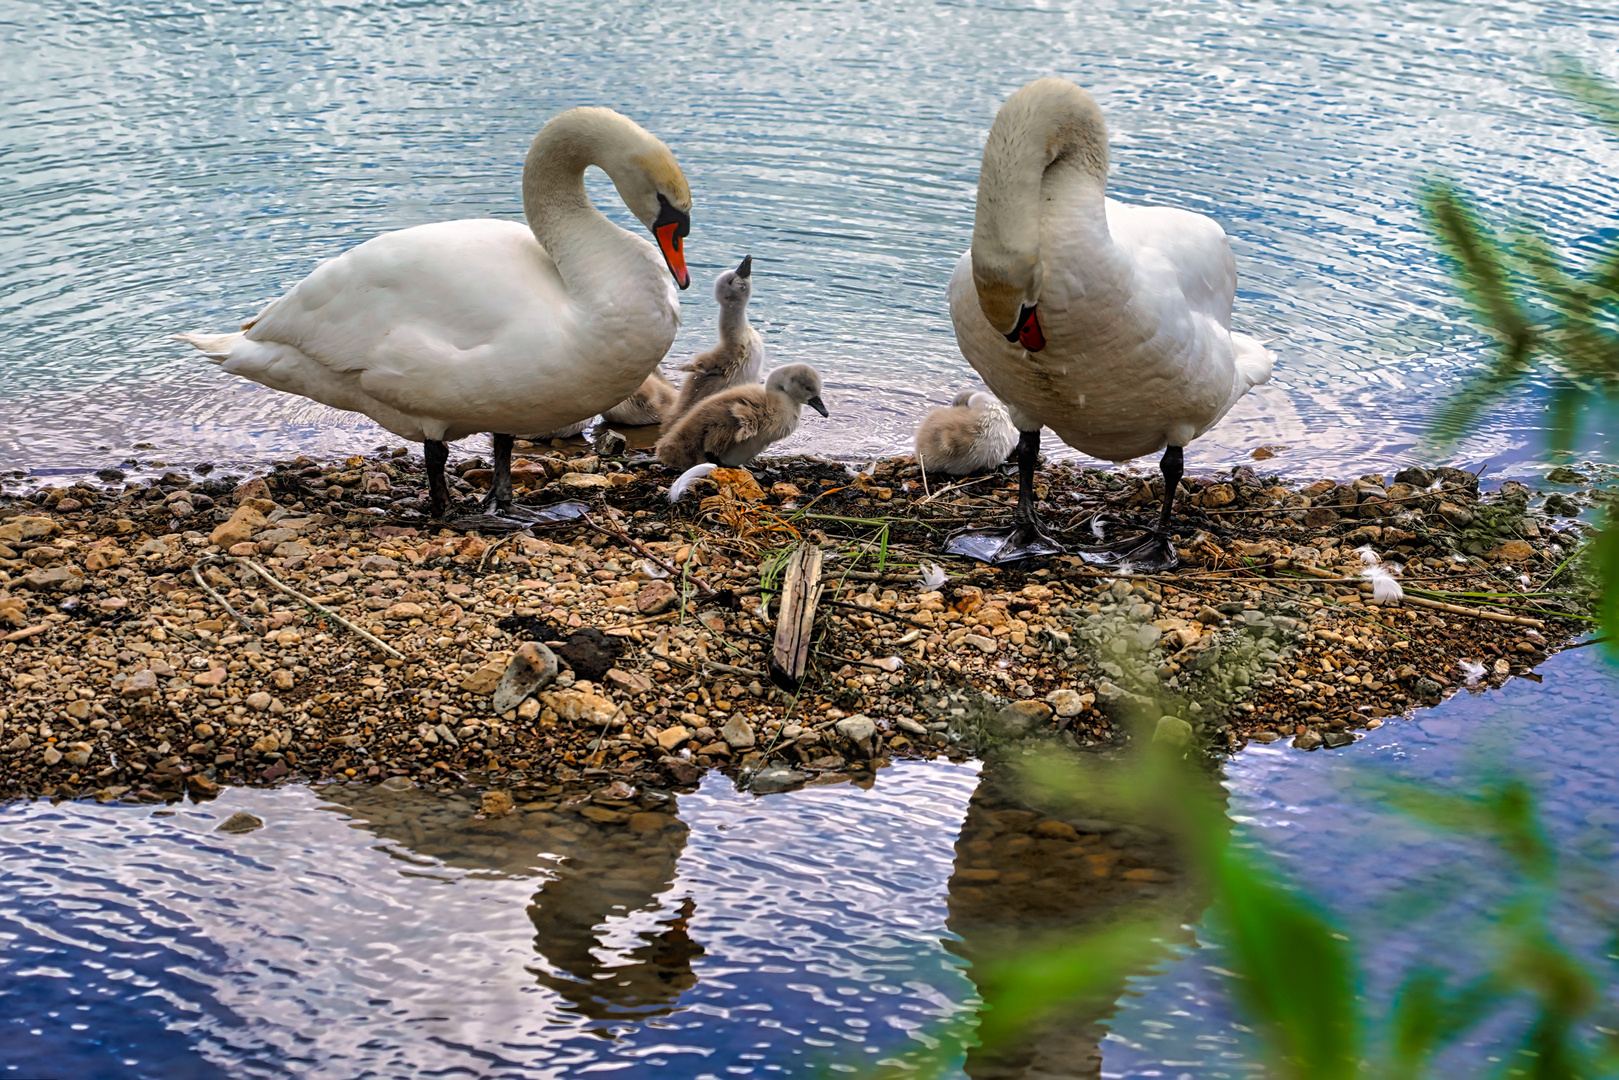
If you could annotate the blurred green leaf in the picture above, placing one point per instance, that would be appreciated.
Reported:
(1296, 979)
(1599, 96)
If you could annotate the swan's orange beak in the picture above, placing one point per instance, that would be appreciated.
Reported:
(670, 229)
(1027, 331)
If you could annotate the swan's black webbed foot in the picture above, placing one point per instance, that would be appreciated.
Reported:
(1150, 552)
(1023, 540)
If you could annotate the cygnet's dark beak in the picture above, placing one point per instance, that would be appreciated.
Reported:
(818, 405)
(746, 268)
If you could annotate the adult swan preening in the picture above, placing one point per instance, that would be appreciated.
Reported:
(1110, 324)
(441, 331)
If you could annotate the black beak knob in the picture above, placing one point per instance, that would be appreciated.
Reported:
(746, 269)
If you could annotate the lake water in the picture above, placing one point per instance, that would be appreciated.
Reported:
(366, 933)
(172, 164)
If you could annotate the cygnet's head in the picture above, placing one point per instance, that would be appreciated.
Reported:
(733, 287)
(801, 383)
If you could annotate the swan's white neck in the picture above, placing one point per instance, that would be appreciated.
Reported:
(1048, 139)
(558, 209)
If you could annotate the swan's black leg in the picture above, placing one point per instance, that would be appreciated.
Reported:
(1154, 550)
(1173, 466)
(500, 491)
(436, 454)
(1027, 538)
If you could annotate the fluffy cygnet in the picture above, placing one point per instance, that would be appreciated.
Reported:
(739, 357)
(734, 426)
(973, 434)
(651, 404)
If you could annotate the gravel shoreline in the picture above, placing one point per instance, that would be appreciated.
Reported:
(127, 678)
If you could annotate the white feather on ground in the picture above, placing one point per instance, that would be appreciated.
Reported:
(1385, 590)
(1367, 555)
(688, 478)
(933, 577)
(1473, 671)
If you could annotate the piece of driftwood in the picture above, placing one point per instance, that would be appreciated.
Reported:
(800, 593)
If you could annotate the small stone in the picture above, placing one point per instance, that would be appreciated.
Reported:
(283, 679)
(1319, 517)
(1022, 717)
(1308, 741)
(681, 771)
(584, 481)
(1067, 703)
(240, 822)
(210, 678)
(402, 610)
(21, 742)
(1057, 830)
(238, 529)
(397, 783)
(775, 778)
(66, 579)
(647, 821)
(51, 755)
(858, 730)
(1511, 551)
(483, 681)
(672, 737)
(1332, 740)
(258, 701)
(27, 528)
(1173, 730)
(1208, 616)
(496, 804)
(979, 641)
(141, 684)
(269, 744)
(1218, 495)
(603, 816)
(655, 597)
(531, 669)
(737, 733)
(1264, 737)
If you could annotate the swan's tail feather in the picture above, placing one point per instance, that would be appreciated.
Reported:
(688, 478)
(215, 347)
(1253, 360)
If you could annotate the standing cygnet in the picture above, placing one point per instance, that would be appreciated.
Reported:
(734, 426)
(973, 434)
(739, 357)
(653, 403)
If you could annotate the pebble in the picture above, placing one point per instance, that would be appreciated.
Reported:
(240, 822)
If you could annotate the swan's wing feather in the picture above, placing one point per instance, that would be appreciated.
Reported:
(1178, 250)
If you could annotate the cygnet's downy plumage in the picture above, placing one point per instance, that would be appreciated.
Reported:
(973, 434)
(653, 403)
(734, 426)
(739, 358)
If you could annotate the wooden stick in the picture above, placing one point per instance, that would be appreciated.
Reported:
(800, 593)
(1416, 601)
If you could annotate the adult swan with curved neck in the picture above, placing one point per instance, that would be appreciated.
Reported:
(441, 331)
(1110, 324)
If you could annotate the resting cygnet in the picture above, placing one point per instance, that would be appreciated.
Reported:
(734, 426)
(651, 404)
(739, 357)
(973, 434)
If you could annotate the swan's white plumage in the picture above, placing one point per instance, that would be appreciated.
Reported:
(444, 330)
(1134, 302)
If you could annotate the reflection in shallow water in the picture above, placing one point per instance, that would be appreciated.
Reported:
(362, 932)
(1034, 872)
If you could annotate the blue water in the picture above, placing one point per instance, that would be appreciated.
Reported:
(171, 164)
(362, 933)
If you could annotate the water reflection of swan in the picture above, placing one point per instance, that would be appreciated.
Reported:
(1026, 876)
(597, 879)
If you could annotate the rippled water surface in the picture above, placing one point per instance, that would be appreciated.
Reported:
(366, 933)
(171, 164)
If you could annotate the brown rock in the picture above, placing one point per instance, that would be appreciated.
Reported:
(244, 521)
(496, 804)
(1319, 517)
(68, 579)
(212, 677)
(1057, 830)
(403, 610)
(655, 597)
(27, 528)
(672, 737)
(532, 668)
(141, 684)
(602, 815)
(1218, 495)
(647, 821)
(255, 488)
(1511, 551)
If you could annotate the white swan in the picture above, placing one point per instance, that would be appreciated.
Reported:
(1111, 324)
(441, 331)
